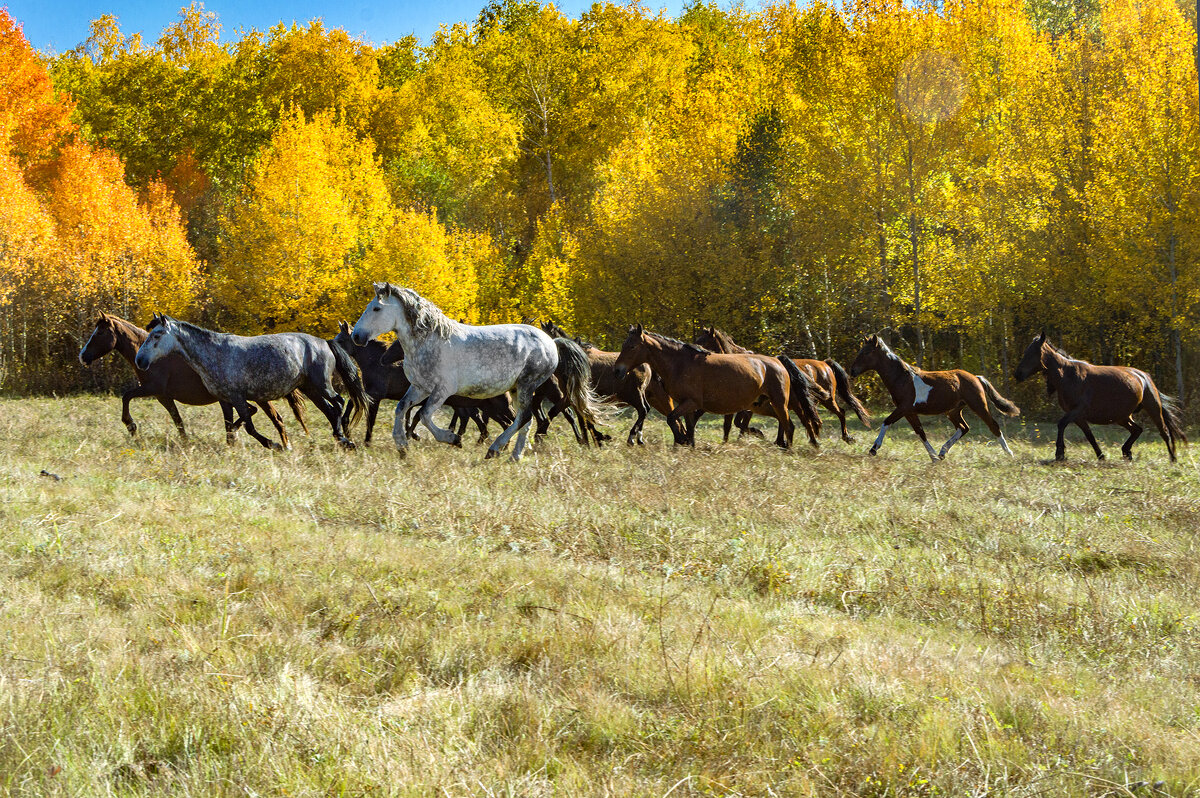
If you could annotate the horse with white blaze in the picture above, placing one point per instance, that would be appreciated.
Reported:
(444, 358)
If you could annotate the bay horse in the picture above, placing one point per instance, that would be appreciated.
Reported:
(628, 390)
(382, 379)
(828, 375)
(443, 357)
(803, 390)
(700, 381)
(1093, 394)
(929, 393)
(242, 369)
(170, 380)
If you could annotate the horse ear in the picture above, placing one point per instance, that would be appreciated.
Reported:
(1041, 337)
(343, 326)
(639, 329)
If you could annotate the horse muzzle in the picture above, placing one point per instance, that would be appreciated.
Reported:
(84, 359)
(620, 370)
(142, 362)
(358, 338)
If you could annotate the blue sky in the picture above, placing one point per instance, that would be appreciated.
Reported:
(59, 25)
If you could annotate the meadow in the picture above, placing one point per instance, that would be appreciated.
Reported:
(196, 619)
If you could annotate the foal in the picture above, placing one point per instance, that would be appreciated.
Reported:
(929, 393)
(169, 380)
(1101, 395)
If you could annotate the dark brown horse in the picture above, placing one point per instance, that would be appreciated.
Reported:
(828, 375)
(1101, 395)
(170, 380)
(929, 393)
(383, 379)
(628, 390)
(700, 381)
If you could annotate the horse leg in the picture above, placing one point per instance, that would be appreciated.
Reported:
(173, 411)
(978, 404)
(481, 422)
(432, 404)
(277, 420)
(1135, 430)
(1060, 448)
(411, 397)
(833, 407)
(961, 429)
(245, 411)
(687, 409)
(230, 425)
(728, 426)
(1152, 404)
(372, 411)
(135, 392)
(895, 416)
(915, 422)
(1087, 433)
(327, 403)
(543, 423)
(642, 407)
(779, 403)
(526, 403)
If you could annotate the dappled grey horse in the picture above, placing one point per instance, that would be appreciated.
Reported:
(239, 369)
(444, 357)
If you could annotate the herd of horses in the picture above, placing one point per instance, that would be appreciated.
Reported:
(510, 373)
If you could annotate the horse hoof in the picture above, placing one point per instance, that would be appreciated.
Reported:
(456, 441)
(347, 444)
(490, 454)
(276, 447)
(941, 455)
(132, 428)
(873, 451)
(402, 451)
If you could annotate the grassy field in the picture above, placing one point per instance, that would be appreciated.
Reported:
(201, 620)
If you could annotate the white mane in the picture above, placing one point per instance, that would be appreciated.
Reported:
(427, 318)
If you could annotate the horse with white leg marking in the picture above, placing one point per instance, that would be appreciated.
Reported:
(242, 369)
(444, 357)
(1091, 394)
(917, 392)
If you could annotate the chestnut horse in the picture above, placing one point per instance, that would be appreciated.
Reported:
(700, 381)
(169, 380)
(828, 375)
(929, 393)
(1093, 394)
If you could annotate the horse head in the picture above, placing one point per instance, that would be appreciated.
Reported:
(868, 356)
(1031, 360)
(633, 351)
(102, 340)
(161, 341)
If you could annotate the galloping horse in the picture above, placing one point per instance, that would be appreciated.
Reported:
(929, 393)
(630, 389)
(1093, 394)
(444, 357)
(700, 381)
(170, 380)
(381, 380)
(803, 390)
(828, 375)
(240, 370)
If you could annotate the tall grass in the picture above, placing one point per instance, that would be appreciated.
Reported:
(193, 619)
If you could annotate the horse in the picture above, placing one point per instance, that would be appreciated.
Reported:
(384, 380)
(802, 392)
(1093, 394)
(444, 357)
(170, 380)
(828, 375)
(242, 369)
(929, 393)
(629, 390)
(700, 381)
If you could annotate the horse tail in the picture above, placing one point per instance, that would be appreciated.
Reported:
(802, 390)
(574, 372)
(295, 400)
(1003, 405)
(1171, 417)
(842, 382)
(348, 370)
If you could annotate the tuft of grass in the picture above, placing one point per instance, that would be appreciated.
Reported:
(187, 619)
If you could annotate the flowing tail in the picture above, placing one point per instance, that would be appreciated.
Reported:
(574, 374)
(1170, 410)
(1003, 405)
(348, 370)
(802, 391)
(295, 400)
(846, 395)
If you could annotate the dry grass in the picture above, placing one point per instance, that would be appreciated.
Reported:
(199, 620)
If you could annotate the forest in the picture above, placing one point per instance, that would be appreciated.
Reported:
(961, 174)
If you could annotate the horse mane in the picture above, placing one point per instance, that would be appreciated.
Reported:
(426, 317)
(887, 350)
(675, 342)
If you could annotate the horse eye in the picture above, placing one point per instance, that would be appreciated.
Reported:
(376, 310)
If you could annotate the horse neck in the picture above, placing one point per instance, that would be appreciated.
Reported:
(193, 343)
(892, 369)
(664, 358)
(1054, 364)
(129, 337)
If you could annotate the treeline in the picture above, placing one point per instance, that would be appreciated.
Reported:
(964, 173)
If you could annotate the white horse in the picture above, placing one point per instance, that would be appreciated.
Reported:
(444, 358)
